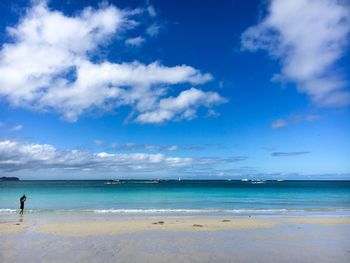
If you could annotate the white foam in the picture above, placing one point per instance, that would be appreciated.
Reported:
(189, 211)
(154, 211)
(8, 211)
(181, 211)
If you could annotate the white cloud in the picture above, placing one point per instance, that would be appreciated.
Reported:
(135, 41)
(15, 156)
(181, 107)
(294, 118)
(47, 66)
(308, 37)
(16, 128)
(31, 159)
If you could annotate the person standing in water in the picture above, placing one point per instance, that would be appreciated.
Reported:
(22, 200)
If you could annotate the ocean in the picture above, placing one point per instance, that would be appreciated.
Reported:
(179, 198)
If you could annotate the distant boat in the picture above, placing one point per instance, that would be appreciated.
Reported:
(280, 180)
(258, 181)
(179, 179)
(113, 182)
(150, 181)
(245, 180)
(155, 181)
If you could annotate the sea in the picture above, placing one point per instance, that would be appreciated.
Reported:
(187, 198)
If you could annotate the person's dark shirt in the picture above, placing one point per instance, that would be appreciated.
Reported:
(23, 199)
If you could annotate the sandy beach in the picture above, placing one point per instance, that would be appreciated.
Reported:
(12, 228)
(300, 239)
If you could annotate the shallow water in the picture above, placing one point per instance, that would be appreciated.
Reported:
(178, 197)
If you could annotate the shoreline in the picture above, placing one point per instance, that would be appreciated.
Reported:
(67, 216)
(111, 226)
(185, 212)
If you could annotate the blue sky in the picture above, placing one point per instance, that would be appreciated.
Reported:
(148, 89)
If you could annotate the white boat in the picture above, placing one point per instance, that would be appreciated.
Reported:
(258, 181)
(245, 180)
(155, 181)
(113, 182)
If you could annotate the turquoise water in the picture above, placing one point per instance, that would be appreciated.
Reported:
(177, 196)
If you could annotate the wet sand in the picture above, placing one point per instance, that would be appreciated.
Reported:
(178, 240)
(320, 220)
(130, 226)
(12, 228)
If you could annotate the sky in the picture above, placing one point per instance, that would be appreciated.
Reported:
(165, 89)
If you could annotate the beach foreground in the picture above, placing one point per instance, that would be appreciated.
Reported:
(299, 239)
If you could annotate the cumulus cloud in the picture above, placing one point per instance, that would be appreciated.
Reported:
(16, 156)
(181, 107)
(308, 37)
(48, 65)
(287, 154)
(292, 119)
